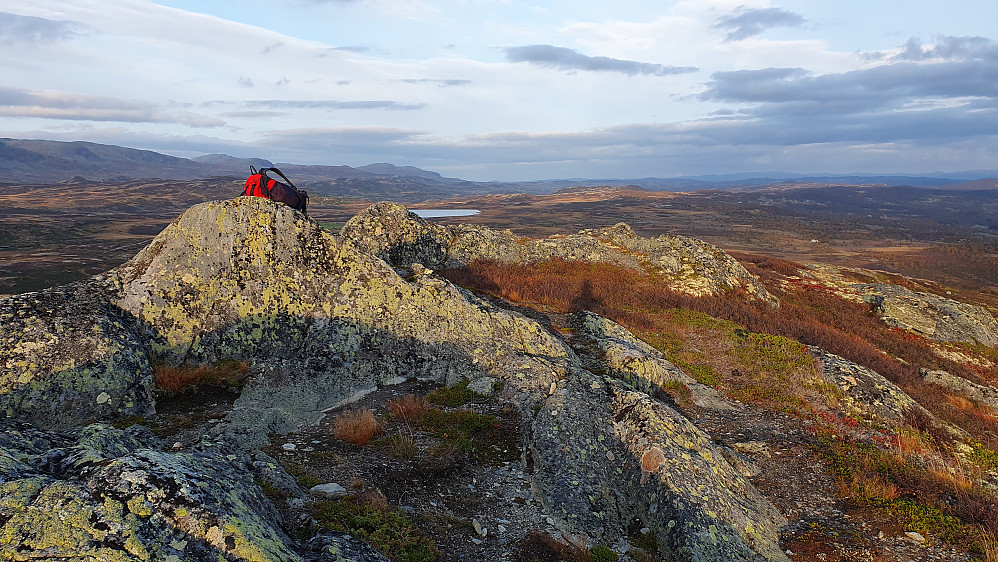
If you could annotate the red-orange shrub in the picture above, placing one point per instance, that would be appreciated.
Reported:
(356, 426)
(408, 407)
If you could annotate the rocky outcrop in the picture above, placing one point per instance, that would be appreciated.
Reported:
(104, 494)
(389, 231)
(932, 316)
(690, 265)
(634, 362)
(864, 393)
(604, 454)
(321, 319)
(324, 319)
(982, 394)
(69, 355)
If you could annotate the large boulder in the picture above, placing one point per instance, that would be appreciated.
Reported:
(70, 355)
(321, 318)
(932, 316)
(398, 236)
(864, 393)
(604, 455)
(693, 266)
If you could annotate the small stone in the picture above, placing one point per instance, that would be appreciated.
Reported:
(502, 528)
(103, 398)
(231, 457)
(288, 446)
(330, 490)
(178, 445)
(479, 530)
(609, 456)
(409, 509)
(880, 535)
(917, 537)
(477, 541)
(553, 389)
(644, 530)
(549, 520)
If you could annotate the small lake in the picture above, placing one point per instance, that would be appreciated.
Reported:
(438, 213)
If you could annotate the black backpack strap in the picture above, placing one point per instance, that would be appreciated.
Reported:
(278, 172)
(264, 180)
(253, 171)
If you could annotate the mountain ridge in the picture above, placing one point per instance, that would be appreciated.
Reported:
(44, 161)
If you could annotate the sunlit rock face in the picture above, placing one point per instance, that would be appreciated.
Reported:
(932, 316)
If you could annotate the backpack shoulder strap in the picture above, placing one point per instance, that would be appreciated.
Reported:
(278, 172)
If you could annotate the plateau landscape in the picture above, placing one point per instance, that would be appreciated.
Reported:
(686, 280)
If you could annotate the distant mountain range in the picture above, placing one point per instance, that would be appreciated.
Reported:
(43, 162)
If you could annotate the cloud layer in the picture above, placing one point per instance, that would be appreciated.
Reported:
(560, 58)
(747, 22)
(499, 90)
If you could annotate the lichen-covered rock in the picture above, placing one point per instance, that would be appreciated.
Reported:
(69, 355)
(866, 394)
(321, 319)
(983, 394)
(104, 494)
(389, 231)
(633, 361)
(604, 454)
(932, 316)
(332, 546)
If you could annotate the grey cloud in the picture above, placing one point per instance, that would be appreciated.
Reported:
(253, 114)
(75, 107)
(246, 82)
(746, 22)
(283, 81)
(950, 48)
(16, 28)
(353, 48)
(883, 86)
(438, 82)
(562, 58)
(330, 104)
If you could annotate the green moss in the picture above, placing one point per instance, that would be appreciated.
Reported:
(388, 531)
(647, 542)
(602, 553)
(769, 354)
(704, 374)
(983, 456)
(768, 395)
(453, 396)
(485, 437)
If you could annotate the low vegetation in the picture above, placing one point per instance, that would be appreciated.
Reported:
(356, 426)
(185, 378)
(370, 517)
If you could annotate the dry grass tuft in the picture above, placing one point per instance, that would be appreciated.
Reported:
(188, 377)
(409, 407)
(356, 426)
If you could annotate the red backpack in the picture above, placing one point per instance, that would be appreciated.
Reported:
(261, 185)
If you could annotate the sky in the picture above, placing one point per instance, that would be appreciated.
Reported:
(512, 91)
